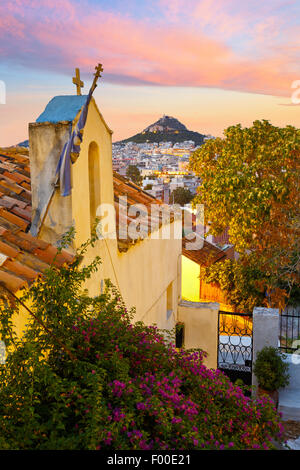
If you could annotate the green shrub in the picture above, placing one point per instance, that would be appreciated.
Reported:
(270, 369)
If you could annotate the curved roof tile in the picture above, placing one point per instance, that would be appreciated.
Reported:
(23, 256)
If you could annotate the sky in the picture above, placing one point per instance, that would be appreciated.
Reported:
(209, 63)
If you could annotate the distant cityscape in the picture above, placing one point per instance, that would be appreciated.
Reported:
(163, 165)
(161, 160)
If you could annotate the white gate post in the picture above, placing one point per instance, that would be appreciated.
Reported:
(265, 332)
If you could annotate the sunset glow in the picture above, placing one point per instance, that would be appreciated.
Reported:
(209, 63)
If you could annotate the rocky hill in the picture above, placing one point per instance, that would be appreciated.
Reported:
(166, 129)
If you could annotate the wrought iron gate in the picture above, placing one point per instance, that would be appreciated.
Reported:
(235, 346)
(289, 335)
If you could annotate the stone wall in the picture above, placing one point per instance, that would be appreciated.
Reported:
(265, 331)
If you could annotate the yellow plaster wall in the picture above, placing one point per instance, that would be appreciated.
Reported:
(20, 320)
(20, 317)
(142, 275)
(190, 280)
(201, 328)
(95, 131)
(144, 272)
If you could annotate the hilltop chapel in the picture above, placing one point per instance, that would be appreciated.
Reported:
(62, 183)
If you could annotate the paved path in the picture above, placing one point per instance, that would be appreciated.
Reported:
(294, 444)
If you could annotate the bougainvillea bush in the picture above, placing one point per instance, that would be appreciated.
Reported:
(84, 376)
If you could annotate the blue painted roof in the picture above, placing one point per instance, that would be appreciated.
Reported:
(62, 108)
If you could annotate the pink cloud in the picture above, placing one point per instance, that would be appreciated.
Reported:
(63, 34)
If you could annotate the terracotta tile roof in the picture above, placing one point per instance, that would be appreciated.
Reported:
(135, 195)
(15, 195)
(22, 257)
(209, 253)
(204, 256)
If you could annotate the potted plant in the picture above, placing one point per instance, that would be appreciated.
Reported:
(271, 372)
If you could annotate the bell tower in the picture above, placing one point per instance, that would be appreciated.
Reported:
(71, 135)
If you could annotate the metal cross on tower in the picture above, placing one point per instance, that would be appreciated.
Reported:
(76, 80)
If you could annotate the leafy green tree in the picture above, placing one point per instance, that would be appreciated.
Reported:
(134, 174)
(84, 376)
(240, 282)
(250, 185)
(181, 196)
